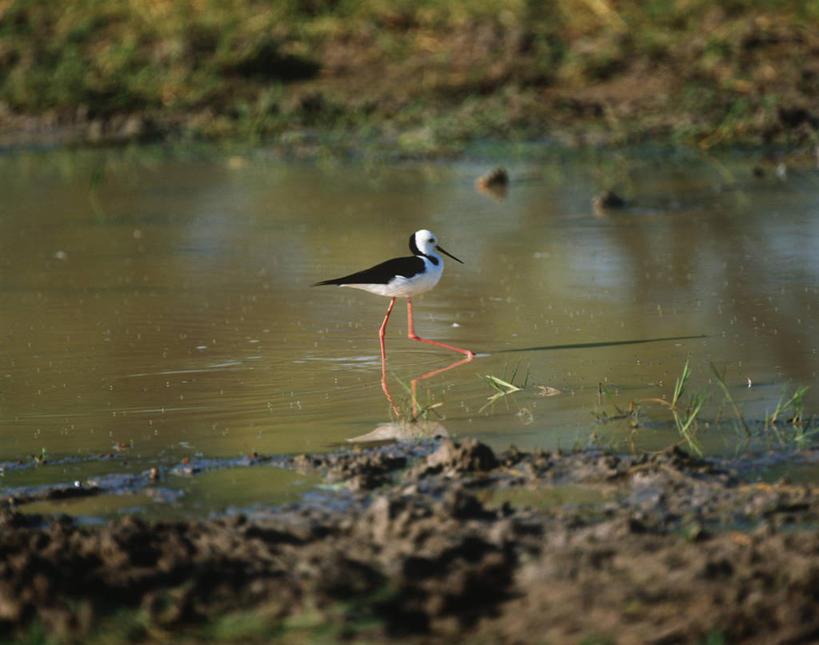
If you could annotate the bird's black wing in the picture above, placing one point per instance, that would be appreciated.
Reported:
(381, 273)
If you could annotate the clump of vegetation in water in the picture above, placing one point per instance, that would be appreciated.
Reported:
(424, 76)
(788, 424)
(503, 386)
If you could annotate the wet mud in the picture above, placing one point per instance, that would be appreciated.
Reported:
(439, 541)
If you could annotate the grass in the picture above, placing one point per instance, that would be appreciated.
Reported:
(503, 386)
(426, 76)
(416, 410)
(685, 418)
(685, 412)
(796, 427)
(720, 377)
(40, 459)
(787, 424)
(795, 403)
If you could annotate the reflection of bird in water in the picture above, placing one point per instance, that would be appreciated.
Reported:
(404, 278)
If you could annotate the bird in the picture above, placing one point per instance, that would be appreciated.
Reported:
(403, 278)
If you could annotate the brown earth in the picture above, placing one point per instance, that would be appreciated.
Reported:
(459, 543)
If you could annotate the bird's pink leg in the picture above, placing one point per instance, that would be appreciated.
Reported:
(381, 334)
(386, 390)
(412, 335)
(384, 360)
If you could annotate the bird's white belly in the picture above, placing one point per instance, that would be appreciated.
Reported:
(401, 287)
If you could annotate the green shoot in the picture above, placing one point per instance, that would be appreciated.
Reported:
(796, 403)
(502, 386)
(685, 419)
(424, 409)
(724, 386)
(679, 386)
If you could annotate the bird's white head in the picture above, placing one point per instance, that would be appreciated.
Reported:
(425, 243)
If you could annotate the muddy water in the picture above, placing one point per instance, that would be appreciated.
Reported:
(156, 305)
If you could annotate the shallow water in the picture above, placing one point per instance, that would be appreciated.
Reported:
(156, 305)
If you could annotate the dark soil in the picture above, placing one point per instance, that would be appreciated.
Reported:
(670, 549)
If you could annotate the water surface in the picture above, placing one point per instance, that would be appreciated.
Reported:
(156, 305)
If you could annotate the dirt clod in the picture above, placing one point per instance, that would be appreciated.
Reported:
(468, 456)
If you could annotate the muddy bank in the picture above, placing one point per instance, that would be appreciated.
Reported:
(442, 541)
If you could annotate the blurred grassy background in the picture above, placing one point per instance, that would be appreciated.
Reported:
(426, 75)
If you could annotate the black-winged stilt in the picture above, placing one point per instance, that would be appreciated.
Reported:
(404, 278)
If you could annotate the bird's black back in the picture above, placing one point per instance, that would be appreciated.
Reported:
(381, 273)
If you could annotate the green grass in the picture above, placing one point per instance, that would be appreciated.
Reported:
(413, 409)
(685, 409)
(685, 418)
(788, 425)
(720, 378)
(40, 459)
(503, 386)
(426, 76)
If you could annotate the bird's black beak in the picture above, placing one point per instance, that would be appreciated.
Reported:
(449, 254)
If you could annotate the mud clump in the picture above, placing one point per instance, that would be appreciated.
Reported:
(468, 456)
(445, 542)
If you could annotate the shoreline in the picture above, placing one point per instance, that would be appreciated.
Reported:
(26, 132)
(430, 541)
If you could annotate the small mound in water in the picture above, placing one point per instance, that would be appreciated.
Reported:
(427, 546)
(606, 201)
(494, 183)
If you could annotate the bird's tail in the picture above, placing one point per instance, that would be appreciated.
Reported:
(323, 282)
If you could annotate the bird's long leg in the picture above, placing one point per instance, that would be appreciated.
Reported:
(384, 360)
(381, 335)
(412, 335)
(386, 391)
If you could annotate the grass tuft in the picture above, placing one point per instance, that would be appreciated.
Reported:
(787, 424)
(503, 386)
(720, 377)
(686, 413)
